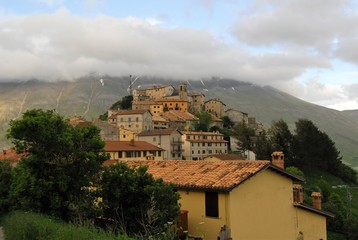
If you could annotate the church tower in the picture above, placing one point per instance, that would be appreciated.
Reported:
(183, 94)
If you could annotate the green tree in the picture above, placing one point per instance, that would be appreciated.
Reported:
(125, 103)
(227, 123)
(139, 204)
(314, 149)
(245, 135)
(263, 147)
(295, 171)
(204, 121)
(281, 139)
(5, 182)
(336, 206)
(63, 163)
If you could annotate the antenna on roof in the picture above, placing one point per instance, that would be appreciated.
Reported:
(129, 89)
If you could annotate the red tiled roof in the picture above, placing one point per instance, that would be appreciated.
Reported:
(178, 116)
(206, 140)
(84, 124)
(200, 133)
(225, 156)
(171, 117)
(170, 100)
(10, 154)
(148, 102)
(157, 132)
(130, 112)
(213, 175)
(111, 146)
(157, 118)
(185, 115)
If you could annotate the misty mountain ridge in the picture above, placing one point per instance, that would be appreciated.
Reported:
(88, 97)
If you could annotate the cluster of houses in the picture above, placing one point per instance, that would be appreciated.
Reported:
(160, 126)
(222, 195)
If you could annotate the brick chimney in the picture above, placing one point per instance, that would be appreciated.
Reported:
(278, 159)
(132, 142)
(316, 200)
(297, 193)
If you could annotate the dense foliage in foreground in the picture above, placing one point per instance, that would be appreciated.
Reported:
(19, 225)
(62, 176)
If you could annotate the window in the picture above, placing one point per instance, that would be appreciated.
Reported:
(159, 153)
(203, 151)
(210, 151)
(154, 139)
(192, 152)
(120, 154)
(203, 144)
(198, 151)
(124, 136)
(211, 204)
(121, 119)
(137, 119)
(209, 144)
(129, 119)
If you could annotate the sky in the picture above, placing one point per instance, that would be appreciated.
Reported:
(306, 48)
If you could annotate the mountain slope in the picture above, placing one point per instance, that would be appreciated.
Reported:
(87, 97)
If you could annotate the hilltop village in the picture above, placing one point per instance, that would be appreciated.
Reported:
(161, 123)
(223, 195)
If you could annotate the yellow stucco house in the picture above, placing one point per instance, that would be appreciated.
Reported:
(240, 200)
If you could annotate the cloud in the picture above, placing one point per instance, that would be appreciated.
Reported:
(310, 25)
(62, 45)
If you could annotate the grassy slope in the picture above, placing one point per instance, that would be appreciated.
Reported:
(87, 96)
(26, 225)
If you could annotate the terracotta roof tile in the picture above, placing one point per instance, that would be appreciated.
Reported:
(201, 133)
(148, 102)
(214, 175)
(10, 154)
(171, 117)
(130, 112)
(157, 118)
(111, 146)
(170, 100)
(225, 156)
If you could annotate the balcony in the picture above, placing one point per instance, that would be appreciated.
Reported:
(177, 150)
(176, 142)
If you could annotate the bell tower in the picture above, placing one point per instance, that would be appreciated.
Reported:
(183, 94)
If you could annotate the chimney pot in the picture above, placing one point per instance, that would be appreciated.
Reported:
(297, 193)
(316, 200)
(278, 159)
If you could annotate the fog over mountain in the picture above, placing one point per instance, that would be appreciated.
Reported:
(88, 97)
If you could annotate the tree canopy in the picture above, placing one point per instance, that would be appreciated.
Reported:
(204, 121)
(137, 202)
(62, 164)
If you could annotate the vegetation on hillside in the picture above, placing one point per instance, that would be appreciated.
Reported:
(204, 121)
(125, 104)
(63, 177)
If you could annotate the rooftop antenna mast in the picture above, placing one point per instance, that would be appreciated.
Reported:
(130, 84)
